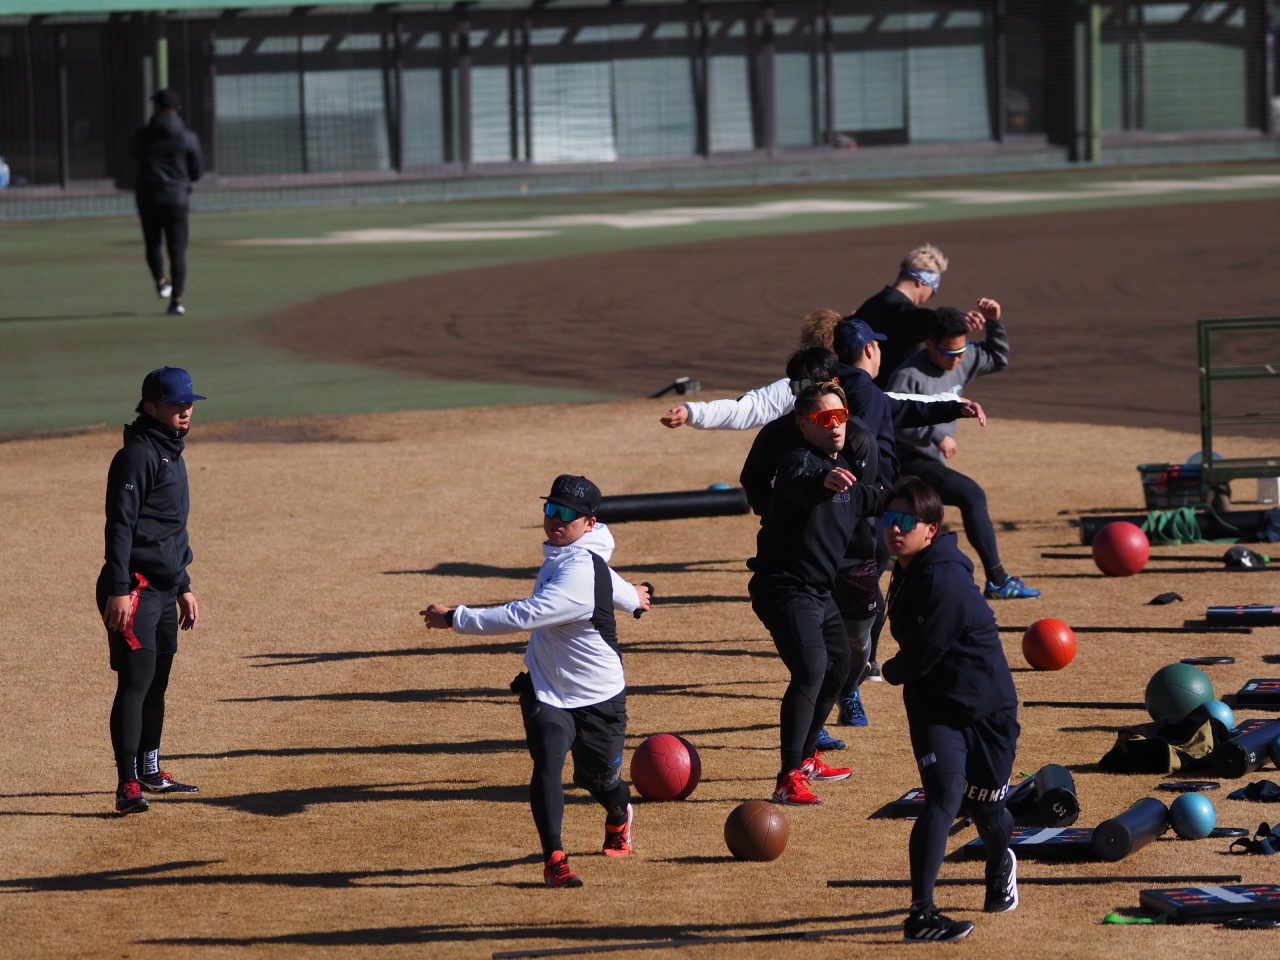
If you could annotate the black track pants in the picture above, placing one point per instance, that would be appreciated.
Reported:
(595, 736)
(957, 490)
(167, 222)
(810, 638)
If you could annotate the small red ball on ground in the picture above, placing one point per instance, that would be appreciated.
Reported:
(665, 767)
(756, 830)
(1121, 549)
(1049, 644)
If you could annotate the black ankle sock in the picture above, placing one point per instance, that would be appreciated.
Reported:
(997, 575)
(126, 766)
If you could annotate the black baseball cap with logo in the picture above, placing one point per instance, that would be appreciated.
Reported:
(576, 493)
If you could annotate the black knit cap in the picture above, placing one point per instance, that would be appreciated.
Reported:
(576, 493)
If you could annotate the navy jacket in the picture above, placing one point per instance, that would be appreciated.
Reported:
(892, 313)
(882, 413)
(147, 506)
(169, 159)
(950, 663)
(807, 528)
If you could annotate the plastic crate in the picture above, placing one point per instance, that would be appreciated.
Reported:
(1166, 485)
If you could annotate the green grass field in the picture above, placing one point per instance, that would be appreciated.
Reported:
(80, 325)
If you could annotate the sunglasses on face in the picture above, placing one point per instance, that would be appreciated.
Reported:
(952, 353)
(563, 514)
(827, 418)
(904, 521)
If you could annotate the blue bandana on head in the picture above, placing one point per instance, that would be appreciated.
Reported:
(924, 276)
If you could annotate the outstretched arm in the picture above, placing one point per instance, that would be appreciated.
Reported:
(753, 409)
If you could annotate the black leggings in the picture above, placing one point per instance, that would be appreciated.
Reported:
(137, 714)
(594, 735)
(171, 222)
(960, 768)
(810, 638)
(957, 490)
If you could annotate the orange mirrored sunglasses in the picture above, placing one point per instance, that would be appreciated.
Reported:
(827, 418)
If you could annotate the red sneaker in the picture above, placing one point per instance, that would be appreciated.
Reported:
(793, 789)
(815, 769)
(617, 840)
(557, 873)
(129, 798)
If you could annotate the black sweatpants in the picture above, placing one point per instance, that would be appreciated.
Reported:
(594, 735)
(810, 638)
(142, 656)
(167, 221)
(957, 490)
(962, 768)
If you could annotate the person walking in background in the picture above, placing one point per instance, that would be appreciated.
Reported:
(144, 592)
(947, 365)
(169, 160)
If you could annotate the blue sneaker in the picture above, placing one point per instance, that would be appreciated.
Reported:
(826, 742)
(1012, 589)
(851, 712)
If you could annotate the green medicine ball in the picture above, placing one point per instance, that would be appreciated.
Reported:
(1176, 690)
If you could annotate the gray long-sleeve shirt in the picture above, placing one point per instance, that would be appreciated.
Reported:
(919, 375)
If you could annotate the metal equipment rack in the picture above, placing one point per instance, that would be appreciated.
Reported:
(1231, 468)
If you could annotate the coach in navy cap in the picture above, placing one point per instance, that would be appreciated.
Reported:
(144, 591)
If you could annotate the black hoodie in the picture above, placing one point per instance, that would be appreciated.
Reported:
(804, 534)
(949, 662)
(168, 156)
(147, 506)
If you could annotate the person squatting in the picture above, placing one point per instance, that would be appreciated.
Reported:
(573, 696)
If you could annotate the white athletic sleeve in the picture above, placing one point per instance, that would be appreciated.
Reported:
(568, 596)
(753, 409)
(625, 596)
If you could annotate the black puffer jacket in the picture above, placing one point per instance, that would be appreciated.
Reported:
(950, 663)
(147, 506)
(169, 159)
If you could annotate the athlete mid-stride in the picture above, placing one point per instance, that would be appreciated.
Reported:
(573, 697)
(144, 593)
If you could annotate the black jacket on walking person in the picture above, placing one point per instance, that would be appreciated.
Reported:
(169, 160)
(950, 662)
(147, 505)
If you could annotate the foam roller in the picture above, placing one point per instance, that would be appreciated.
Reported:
(673, 506)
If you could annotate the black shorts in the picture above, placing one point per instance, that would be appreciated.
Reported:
(857, 592)
(983, 752)
(153, 620)
(597, 734)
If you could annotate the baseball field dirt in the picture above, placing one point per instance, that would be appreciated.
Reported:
(363, 782)
(1100, 306)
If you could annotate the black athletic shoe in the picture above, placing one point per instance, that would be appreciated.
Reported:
(176, 308)
(129, 798)
(1002, 886)
(161, 782)
(927, 925)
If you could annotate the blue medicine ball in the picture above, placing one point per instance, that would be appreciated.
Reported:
(720, 485)
(1274, 751)
(1221, 711)
(1192, 816)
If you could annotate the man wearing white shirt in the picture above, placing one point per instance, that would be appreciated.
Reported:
(573, 697)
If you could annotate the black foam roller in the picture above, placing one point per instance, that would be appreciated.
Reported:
(1245, 752)
(1132, 830)
(1056, 803)
(673, 506)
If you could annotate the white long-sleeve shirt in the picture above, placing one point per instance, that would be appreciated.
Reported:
(569, 663)
(762, 405)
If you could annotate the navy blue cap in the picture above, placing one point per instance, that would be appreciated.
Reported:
(851, 335)
(166, 99)
(169, 385)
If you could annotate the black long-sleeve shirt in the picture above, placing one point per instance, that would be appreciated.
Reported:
(147, 505)
(807, 527)
(893, 313)
(950, 662)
